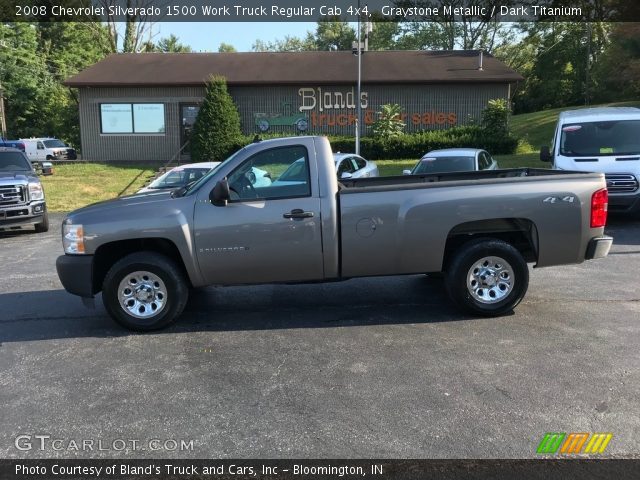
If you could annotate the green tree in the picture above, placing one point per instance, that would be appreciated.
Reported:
(226, 47)
(495, 118)
(217, 127)
(171, 44)
(389, 123)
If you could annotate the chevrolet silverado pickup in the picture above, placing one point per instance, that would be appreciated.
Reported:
(298, 223)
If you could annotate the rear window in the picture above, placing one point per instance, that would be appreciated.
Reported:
(11, 161)
(445, 164)
(596, 139)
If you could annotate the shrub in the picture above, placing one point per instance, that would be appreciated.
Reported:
(216, 131)
(495, 118)
(389, 123)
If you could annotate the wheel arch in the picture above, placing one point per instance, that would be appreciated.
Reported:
(519, 232)
(109, 253)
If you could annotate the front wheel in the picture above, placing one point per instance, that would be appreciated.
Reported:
(487, 277)
(43, 226)
(144, 291)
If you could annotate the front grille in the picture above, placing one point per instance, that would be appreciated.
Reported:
(621, 182)
(11, 195)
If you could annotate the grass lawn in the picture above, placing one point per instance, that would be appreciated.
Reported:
(76, 185)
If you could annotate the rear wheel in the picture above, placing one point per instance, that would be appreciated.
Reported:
(43, 226)
(487, 277)
(145, 291)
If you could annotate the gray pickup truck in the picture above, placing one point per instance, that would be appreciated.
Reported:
(22, 201)
(297, 223)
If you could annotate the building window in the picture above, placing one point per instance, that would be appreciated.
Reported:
(142, 118)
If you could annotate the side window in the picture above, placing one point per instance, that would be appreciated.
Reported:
(345, 167)
(360, 162)
(483, 161)
(272, 174)
(40, 146)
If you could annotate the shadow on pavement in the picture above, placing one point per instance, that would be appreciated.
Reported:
(55, 314)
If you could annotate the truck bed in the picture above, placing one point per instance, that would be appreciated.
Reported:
(450, 179)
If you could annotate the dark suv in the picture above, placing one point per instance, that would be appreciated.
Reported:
(22, 200)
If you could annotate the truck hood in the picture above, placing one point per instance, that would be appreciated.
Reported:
(127, 202)
(21, 177)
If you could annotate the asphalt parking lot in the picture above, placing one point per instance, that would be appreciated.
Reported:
(379, 367)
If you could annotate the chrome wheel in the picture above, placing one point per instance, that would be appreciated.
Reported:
(490, 280)
(142, 294)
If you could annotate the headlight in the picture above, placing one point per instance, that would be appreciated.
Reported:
(35, 191)
(73, 239)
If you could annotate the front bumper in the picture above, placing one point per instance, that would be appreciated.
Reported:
(22, 215)
(76, 274)
(598, 247)
(624, 203)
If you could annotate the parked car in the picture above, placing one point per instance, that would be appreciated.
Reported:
(603, 140)
(185, 174)
(22, 201)
(453, 160)
(19, 144)
(350, 165)
(145, 252)
(179, 176)
(41, 149)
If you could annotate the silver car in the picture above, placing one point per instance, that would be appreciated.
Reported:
(179, 176)
(453, 160)
(350, 165)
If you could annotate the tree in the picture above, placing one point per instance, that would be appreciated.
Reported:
(217, 127)
(171, 44)
(389, 123)
(134, 34)
(226, 47)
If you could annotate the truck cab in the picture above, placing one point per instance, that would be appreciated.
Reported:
(605, 140)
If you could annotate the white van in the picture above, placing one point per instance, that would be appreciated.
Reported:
(603, 140)
(41, 149)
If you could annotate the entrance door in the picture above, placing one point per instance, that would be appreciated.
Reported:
(188, 114)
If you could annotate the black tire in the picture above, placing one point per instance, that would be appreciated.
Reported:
(459, 277)
(173, 299)
(43, 226)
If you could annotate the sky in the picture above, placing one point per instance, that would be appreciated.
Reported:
(208, 36)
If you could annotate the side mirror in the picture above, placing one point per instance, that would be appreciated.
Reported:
(406, 172)
(346, 176)
(219, 196)
(545, 154)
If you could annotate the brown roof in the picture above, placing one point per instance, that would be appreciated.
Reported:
(253, 68)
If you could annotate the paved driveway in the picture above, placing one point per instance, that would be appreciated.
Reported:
(379, 367)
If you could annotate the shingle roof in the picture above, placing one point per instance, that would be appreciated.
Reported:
(253, 68)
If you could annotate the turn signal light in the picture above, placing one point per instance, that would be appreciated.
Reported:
(599, 206)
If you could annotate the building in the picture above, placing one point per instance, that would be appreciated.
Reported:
(142, 106)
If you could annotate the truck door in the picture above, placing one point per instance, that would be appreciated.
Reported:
(270, 230)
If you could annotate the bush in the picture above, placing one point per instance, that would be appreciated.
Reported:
(417, 144)
(389, 123)
(495, 118)
(216, 131)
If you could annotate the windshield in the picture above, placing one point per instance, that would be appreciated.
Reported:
(444, 164)
(596, 139)
(53, 143)
(12, 161)
(178, 177)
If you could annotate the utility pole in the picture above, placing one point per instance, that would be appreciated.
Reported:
(358, 48)
(3, 118)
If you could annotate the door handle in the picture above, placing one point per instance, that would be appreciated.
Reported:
(297, 213)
